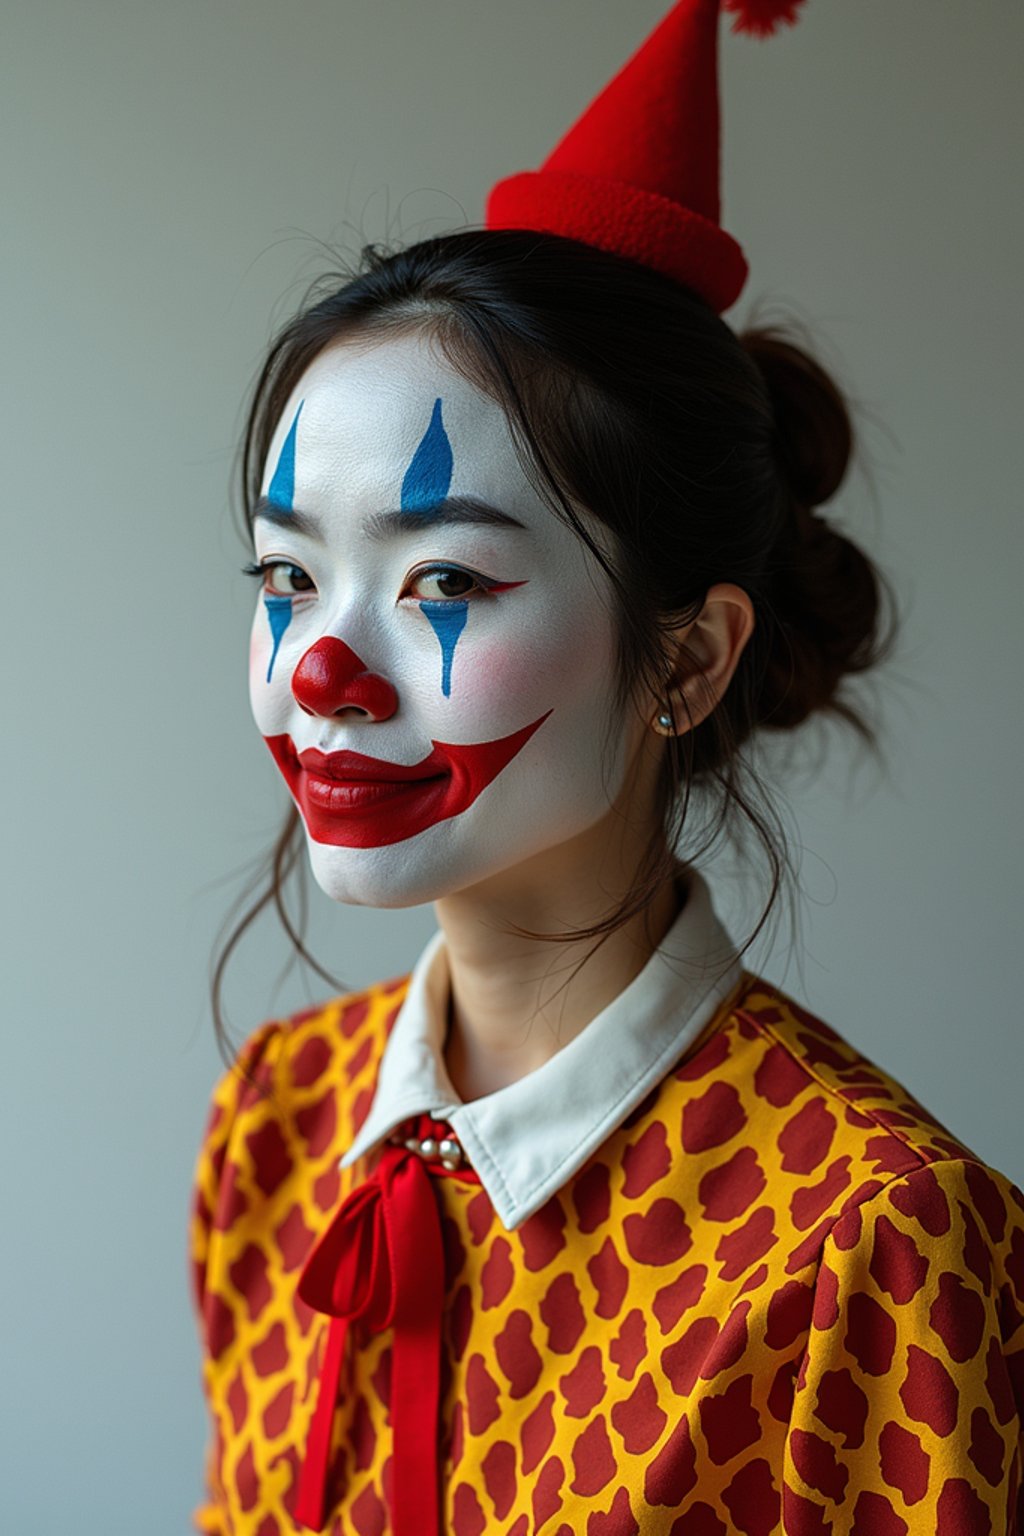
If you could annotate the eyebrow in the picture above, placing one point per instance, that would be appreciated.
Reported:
(453, 511)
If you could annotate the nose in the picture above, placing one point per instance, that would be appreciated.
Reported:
(331, 678)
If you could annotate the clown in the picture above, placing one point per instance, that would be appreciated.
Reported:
(580, 1226)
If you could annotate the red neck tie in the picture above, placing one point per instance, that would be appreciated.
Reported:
(381, 1262)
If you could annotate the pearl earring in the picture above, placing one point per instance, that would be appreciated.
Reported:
(666, 722)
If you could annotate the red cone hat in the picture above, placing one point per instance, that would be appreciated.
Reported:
(638, 174)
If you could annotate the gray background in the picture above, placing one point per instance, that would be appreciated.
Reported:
(170, 171)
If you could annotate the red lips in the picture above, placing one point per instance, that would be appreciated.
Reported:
(349, 800)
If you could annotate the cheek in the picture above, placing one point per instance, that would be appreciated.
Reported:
(268, 696)
(565, 664)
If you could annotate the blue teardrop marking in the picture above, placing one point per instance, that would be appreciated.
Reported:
(279, 612)
(282, 485)
(447, 620)
(430, 469)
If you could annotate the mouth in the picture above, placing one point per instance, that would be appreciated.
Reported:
(350, 800)
(341, 782)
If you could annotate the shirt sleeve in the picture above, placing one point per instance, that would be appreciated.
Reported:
(210, 1212)
(909, 1399)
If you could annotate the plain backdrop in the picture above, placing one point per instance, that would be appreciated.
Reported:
(174, 174)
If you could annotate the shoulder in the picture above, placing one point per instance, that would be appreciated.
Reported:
(775, 1112)
(294, 1097)
(800, 1059)
(287, 1061)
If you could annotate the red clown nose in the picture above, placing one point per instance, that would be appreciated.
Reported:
(638, 174)
(330, 677)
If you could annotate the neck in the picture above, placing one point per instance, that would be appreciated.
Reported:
(516, 1001)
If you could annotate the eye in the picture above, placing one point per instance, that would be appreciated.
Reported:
(440, 582)
(281, 578)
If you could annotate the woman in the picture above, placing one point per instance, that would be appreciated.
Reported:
(581, 1226)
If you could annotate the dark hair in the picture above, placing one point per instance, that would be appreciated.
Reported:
(706, 454)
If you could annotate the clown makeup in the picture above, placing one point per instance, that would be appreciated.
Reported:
(433, 658)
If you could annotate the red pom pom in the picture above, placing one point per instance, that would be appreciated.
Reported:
(761, 17)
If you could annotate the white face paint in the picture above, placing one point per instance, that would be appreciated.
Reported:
(496, 675)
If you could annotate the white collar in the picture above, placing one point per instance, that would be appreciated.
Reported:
(527, 1139)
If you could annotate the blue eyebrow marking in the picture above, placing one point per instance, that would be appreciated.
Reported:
(430, 469)
(282, 486)
(279, 613)
(448, 620)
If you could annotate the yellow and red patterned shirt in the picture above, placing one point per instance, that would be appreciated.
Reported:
(774, 1296)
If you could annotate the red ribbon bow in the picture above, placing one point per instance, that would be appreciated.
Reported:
(381, 1262)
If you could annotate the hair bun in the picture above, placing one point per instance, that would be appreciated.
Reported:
(825, 593)
(813, 431)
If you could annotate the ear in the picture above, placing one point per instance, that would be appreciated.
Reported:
(703, 656)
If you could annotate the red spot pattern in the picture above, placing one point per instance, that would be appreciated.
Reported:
(739, 1249)
(479, 1216)
(842, 1407)
(904, 1462)
(538, 1433)
(729, 1420)
(369, 1517)
(481, 1396)
(682, 1360)
(896, 1264)
(499, 1469)
(547, 1496)
(593, 1459)
(779, 1077)
(679, 1295)
(271, 1163)
(617, 1520)
(278, 1412)
(673, 1472)
(583, 1386)
(707, 1059)
(646, 1161)
(317, 1124)
(248, 1275)
(543, 1235)
(639, 1419)
(310, 1062)
(810, 1203)
(713, 1119)
(961, 1511)
(294, 1240)
(857, 1309)
(929, 1393)
(924, 1202)
(271, 1354)
(870, 1334)
(806, 1137)
(610, 1278)
(873, 1515)
(562, 1313)
(630, 1346)
(517, 1354)
(660, 1236)
(789, 1314)
(467, 1516)
(752, 1500)
(958, 1317)
(731, 1189)
(327, 1188)
(592, 1197)
(497, 1274)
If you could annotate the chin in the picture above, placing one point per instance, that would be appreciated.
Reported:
(407, 874)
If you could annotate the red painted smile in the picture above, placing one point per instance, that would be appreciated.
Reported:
(352, 801)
